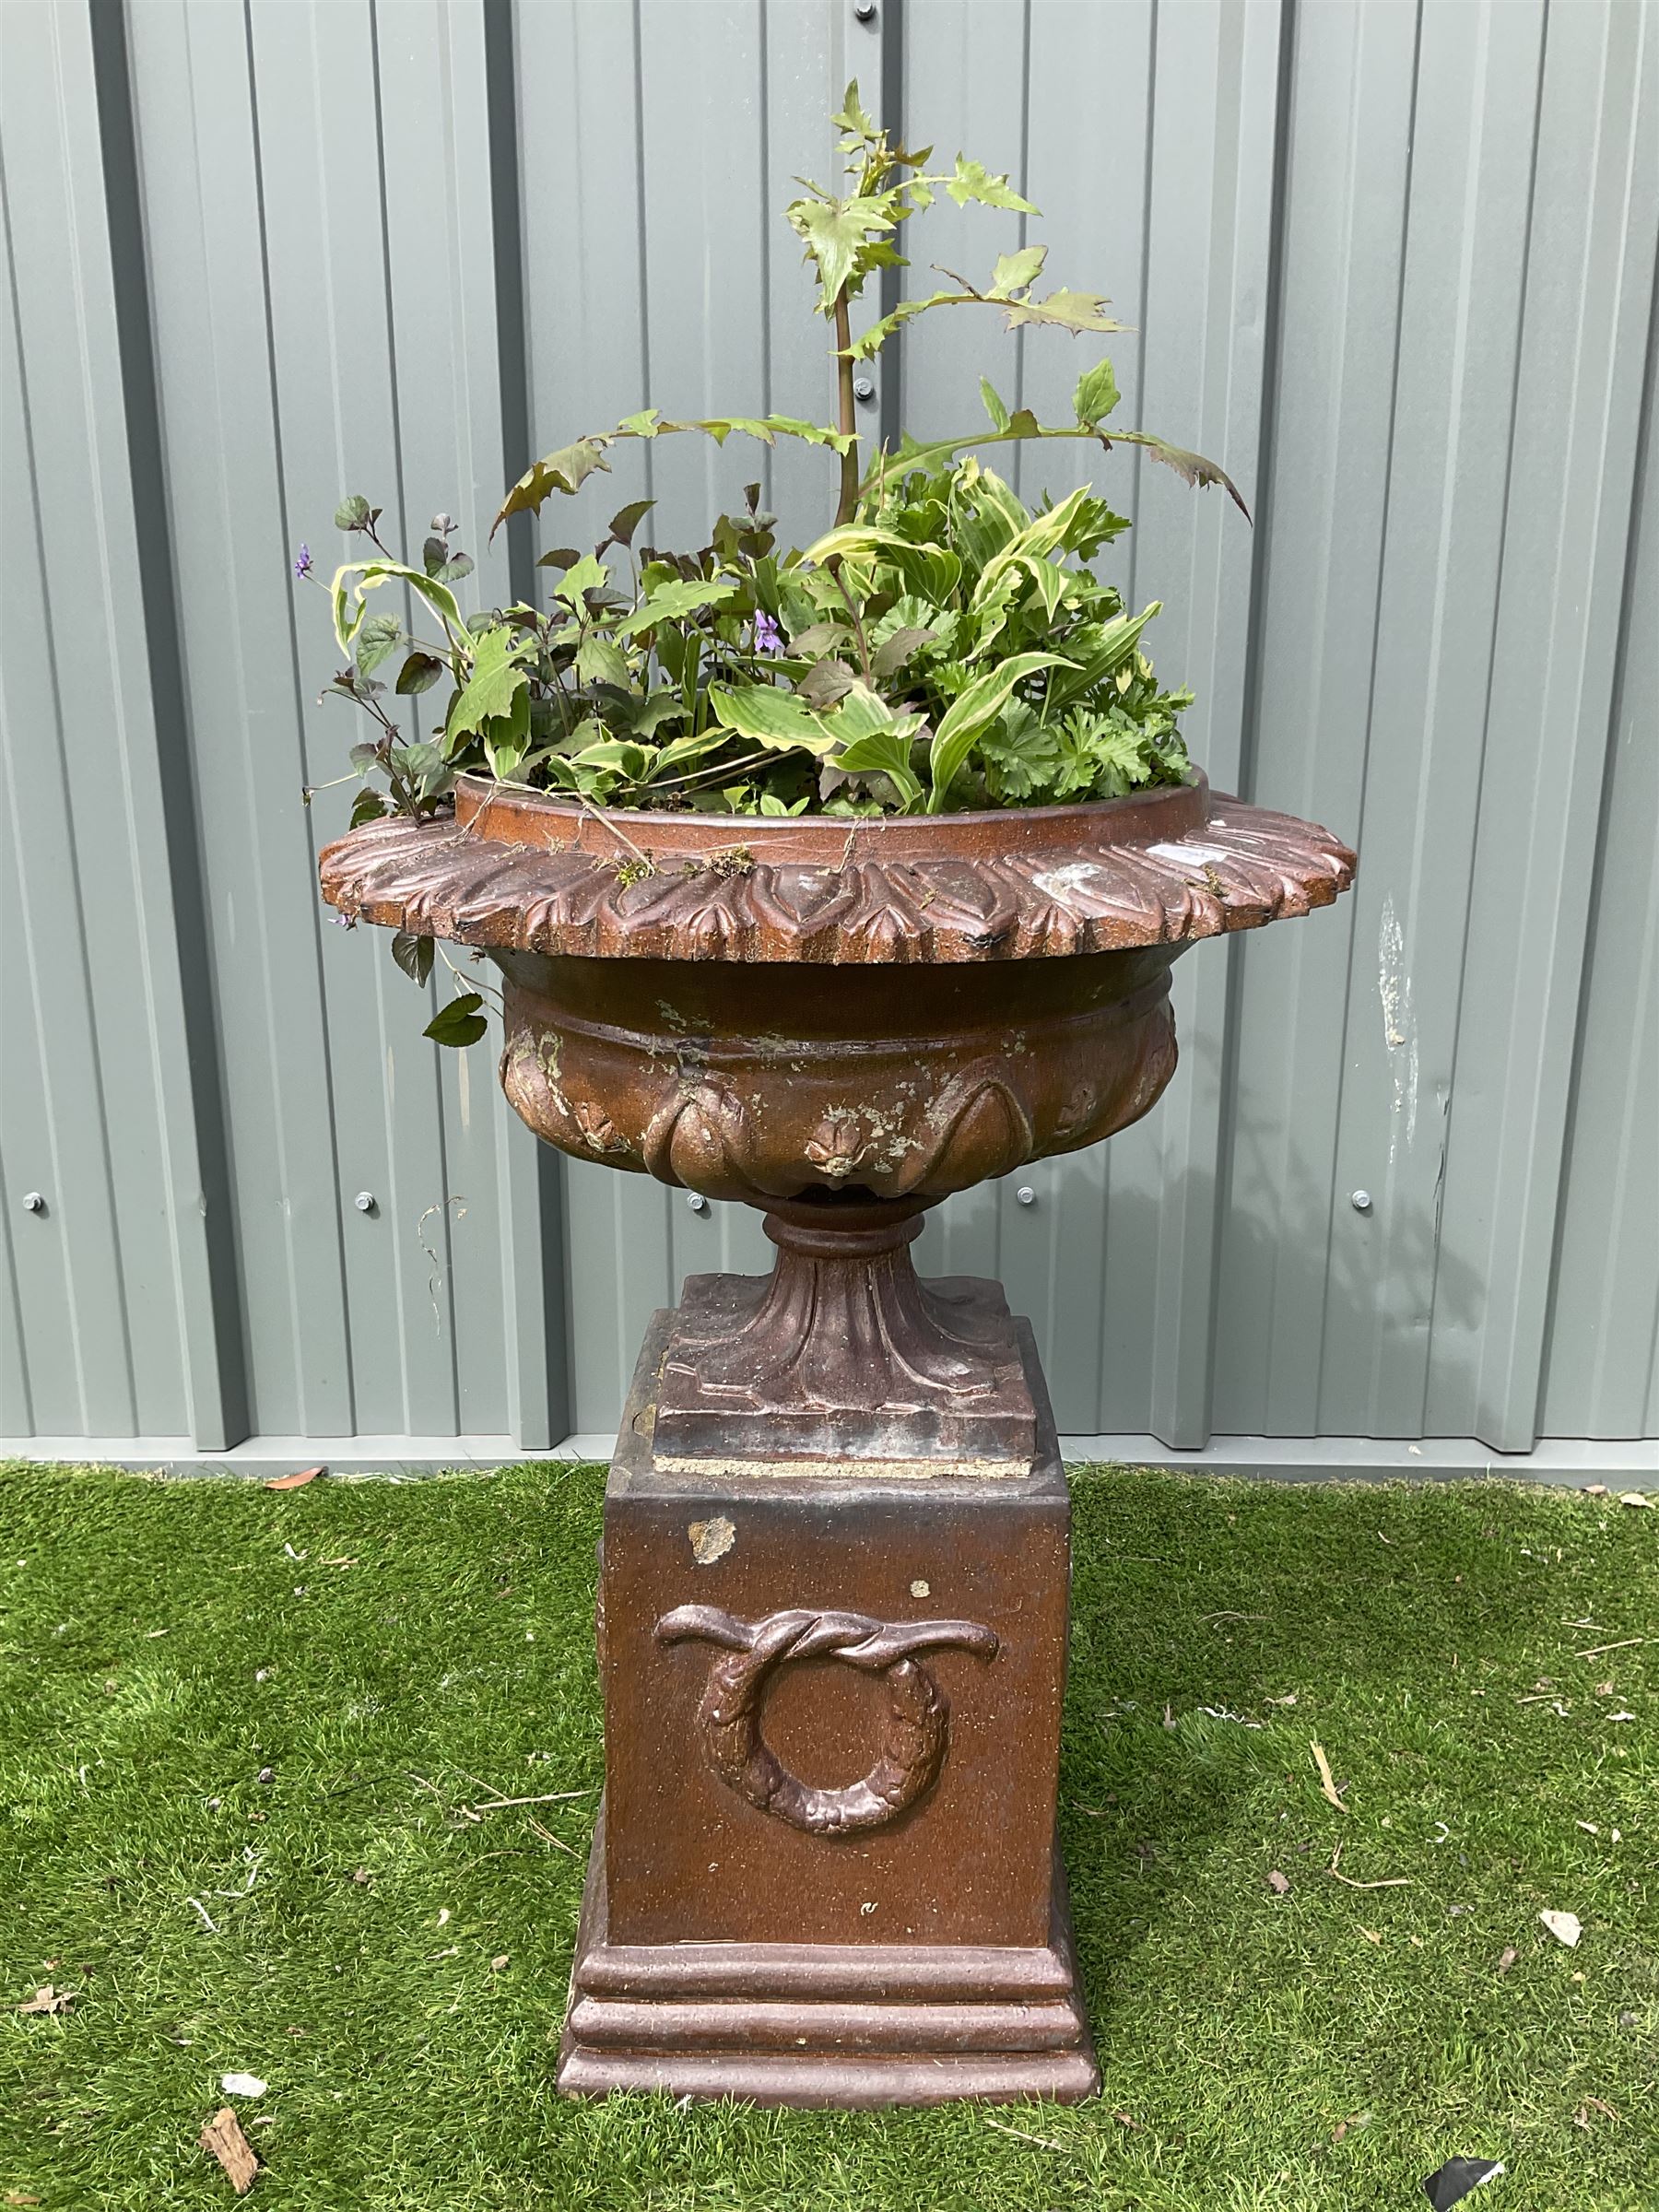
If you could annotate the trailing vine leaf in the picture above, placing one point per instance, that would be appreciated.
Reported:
(369, 576)
(419, 673)
(413, 955)
(378, 639)
(460, 1022)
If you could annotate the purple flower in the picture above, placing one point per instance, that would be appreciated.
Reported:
(769, 637)
(302, 564)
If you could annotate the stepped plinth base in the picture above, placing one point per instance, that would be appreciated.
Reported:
(827, 2025)
(825, 1870)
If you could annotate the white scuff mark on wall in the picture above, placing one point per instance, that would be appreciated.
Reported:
(1399, 1025)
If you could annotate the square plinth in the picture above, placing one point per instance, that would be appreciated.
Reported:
(826, 1871)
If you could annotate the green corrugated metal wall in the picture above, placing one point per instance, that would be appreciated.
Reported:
(1395, 263)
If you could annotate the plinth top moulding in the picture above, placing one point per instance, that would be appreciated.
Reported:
(516, 871)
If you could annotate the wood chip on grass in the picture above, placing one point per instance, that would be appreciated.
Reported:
(223, 2136)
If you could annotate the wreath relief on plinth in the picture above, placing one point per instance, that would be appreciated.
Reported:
(913, 1741)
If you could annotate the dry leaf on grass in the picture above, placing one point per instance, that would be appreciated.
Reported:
(1326, 1782)
(242, 2084)
(16, 2197)
(223, 2136)
(1634, 1497)
(294, 1482)
(1393, 1881)
(49, 2000)
(1278, 1883)
(1507, 1958)
(1563, 1926)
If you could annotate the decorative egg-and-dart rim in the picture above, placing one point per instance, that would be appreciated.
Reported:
(513, 870)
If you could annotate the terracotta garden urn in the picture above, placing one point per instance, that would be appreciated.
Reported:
(834, 1575)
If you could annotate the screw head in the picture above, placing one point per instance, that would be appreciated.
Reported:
(1026, 1194)
(864, 10)
(364, 1202)
(863, 389)
(1361, 1202)
(33, 1202)
(698, 1203)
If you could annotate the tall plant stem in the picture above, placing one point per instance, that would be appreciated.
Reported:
(847, 420)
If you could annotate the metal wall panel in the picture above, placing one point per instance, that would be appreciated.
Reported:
(1394, 264)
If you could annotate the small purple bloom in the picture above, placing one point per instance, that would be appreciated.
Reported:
(769, 637)
(302, 565)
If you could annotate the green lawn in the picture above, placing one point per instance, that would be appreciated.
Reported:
(395, 1969)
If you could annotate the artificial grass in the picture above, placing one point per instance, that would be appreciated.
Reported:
(396, 1970)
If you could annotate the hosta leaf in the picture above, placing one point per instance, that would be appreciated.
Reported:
(768, 717)
(971, 712)
(1117, 644)
(369, 576)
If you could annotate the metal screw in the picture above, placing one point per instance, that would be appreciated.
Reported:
(1026, 1194)
(364, 1202)
(698, 1203)
(863, 389)
(33, 1202)
(1361, 1202)
(864, 10)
